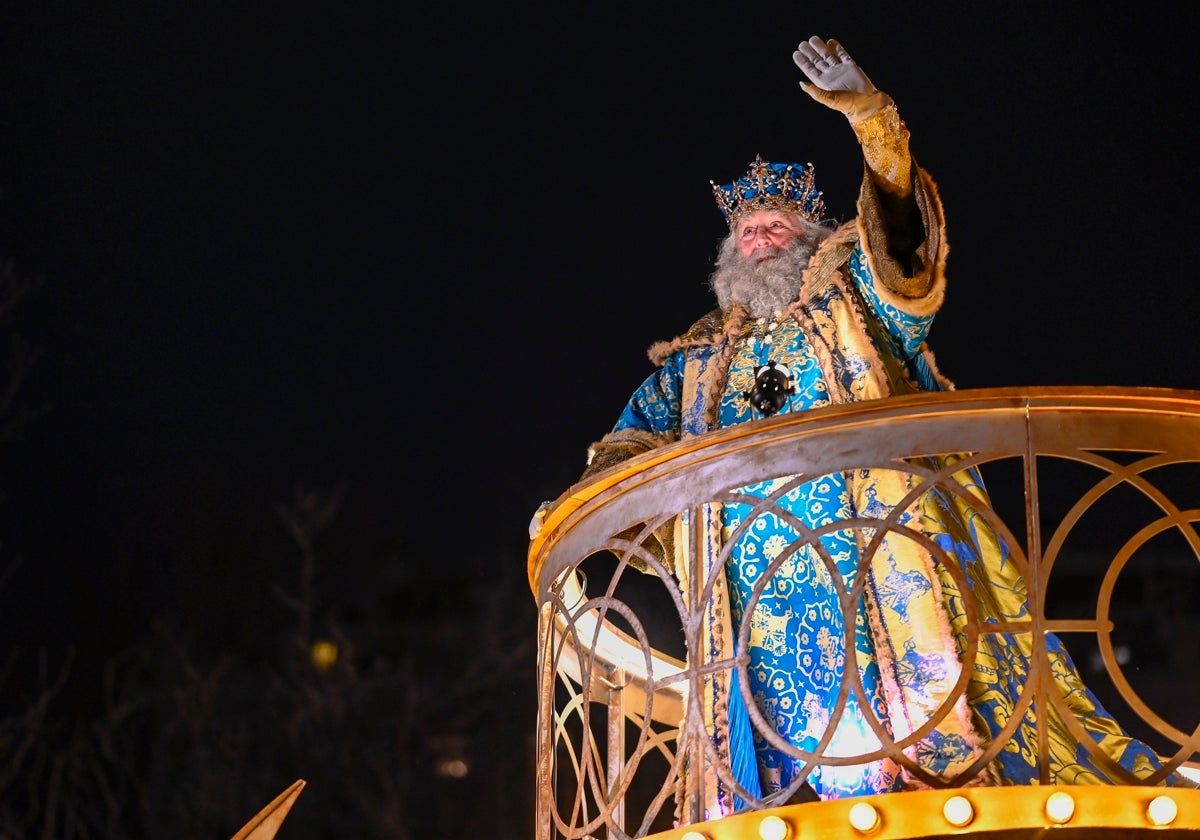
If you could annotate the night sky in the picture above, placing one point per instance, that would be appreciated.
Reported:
(419, 255)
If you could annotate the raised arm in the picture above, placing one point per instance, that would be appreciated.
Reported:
(898, 209)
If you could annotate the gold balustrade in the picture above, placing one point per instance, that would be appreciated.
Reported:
(616, 728)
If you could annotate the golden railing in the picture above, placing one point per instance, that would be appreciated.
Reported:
(1090, 488)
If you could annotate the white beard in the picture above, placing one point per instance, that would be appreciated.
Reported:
(763, 287)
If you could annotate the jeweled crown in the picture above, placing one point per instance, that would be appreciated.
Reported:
(787, 187)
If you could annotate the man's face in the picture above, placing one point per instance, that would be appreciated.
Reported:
(763, 234)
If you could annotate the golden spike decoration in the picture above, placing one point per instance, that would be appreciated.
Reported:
(267, 821)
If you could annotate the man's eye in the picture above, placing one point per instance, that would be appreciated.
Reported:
(749, 232)
(777, 225)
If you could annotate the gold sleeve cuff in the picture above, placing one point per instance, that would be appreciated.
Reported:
(884, 140)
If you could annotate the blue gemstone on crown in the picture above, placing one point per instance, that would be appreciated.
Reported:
(787, 187)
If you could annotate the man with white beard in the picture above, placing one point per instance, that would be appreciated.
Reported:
(811, 315)
(760, 265)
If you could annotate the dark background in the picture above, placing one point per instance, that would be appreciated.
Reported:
(415, 257)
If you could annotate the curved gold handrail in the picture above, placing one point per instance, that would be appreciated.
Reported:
(582, 645)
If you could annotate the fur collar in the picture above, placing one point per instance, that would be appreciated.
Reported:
(719, 326)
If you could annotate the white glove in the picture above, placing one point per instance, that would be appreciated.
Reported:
(836, 81)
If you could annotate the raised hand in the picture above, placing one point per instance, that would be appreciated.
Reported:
(830, 67)
(836, 81)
